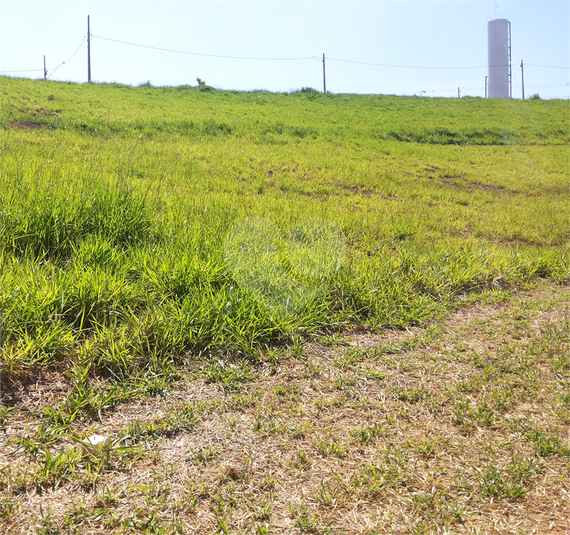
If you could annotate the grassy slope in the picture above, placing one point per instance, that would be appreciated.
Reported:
(117, 201)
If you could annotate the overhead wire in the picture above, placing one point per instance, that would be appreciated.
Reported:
(25, 70)
(199, 53)
(404, 66)
(546, 66)
(253, 58)
(66, 62)
(273, 58)
(278, 59)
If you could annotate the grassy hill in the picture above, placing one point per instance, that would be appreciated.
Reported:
(152, 235)
(117, 201)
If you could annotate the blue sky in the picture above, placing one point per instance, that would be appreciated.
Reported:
(451, 34)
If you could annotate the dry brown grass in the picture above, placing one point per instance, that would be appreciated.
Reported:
(462, 427)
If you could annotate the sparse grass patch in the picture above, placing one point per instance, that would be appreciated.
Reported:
(369, 434)
(331, 447)
(305, 521)
(372, 480)
(229, 375)
(202, 456)
(414, 395)
(511, 482)
(549, 443)
(301, 448)
(175, 420)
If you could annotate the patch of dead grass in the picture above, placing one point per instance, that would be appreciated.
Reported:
(431, 433)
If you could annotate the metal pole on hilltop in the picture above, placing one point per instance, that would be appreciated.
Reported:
(522, 75)
(88, 50)
(45, 70)
(324, 77)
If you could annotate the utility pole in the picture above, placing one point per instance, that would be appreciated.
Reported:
(522, 75)
(324, 77)
(88, 51)
(458, 93)
(45, 70)
(486, 86)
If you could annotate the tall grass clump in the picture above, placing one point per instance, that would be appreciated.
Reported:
(39, 222)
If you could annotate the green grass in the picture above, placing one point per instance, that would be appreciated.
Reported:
(117, 204)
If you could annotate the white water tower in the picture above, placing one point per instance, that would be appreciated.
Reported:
(500, 80)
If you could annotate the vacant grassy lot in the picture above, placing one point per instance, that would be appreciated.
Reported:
(288, 312)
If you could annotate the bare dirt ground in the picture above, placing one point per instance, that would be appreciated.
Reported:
(459, 427)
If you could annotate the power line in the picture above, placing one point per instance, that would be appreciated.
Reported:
(25, 70)
(66, 62)
(278, 59)
(62, 63)
(405, 66)
(275, 59)
(547, 66)
(286, 59)
(198, 53)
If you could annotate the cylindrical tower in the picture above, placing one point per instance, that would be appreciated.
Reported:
(499, 35)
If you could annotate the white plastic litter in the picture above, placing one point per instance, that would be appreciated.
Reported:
(96, 444)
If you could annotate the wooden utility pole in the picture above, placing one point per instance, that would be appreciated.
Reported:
(522, 75)
(324, 77)
(88, 51)
(45, 70)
